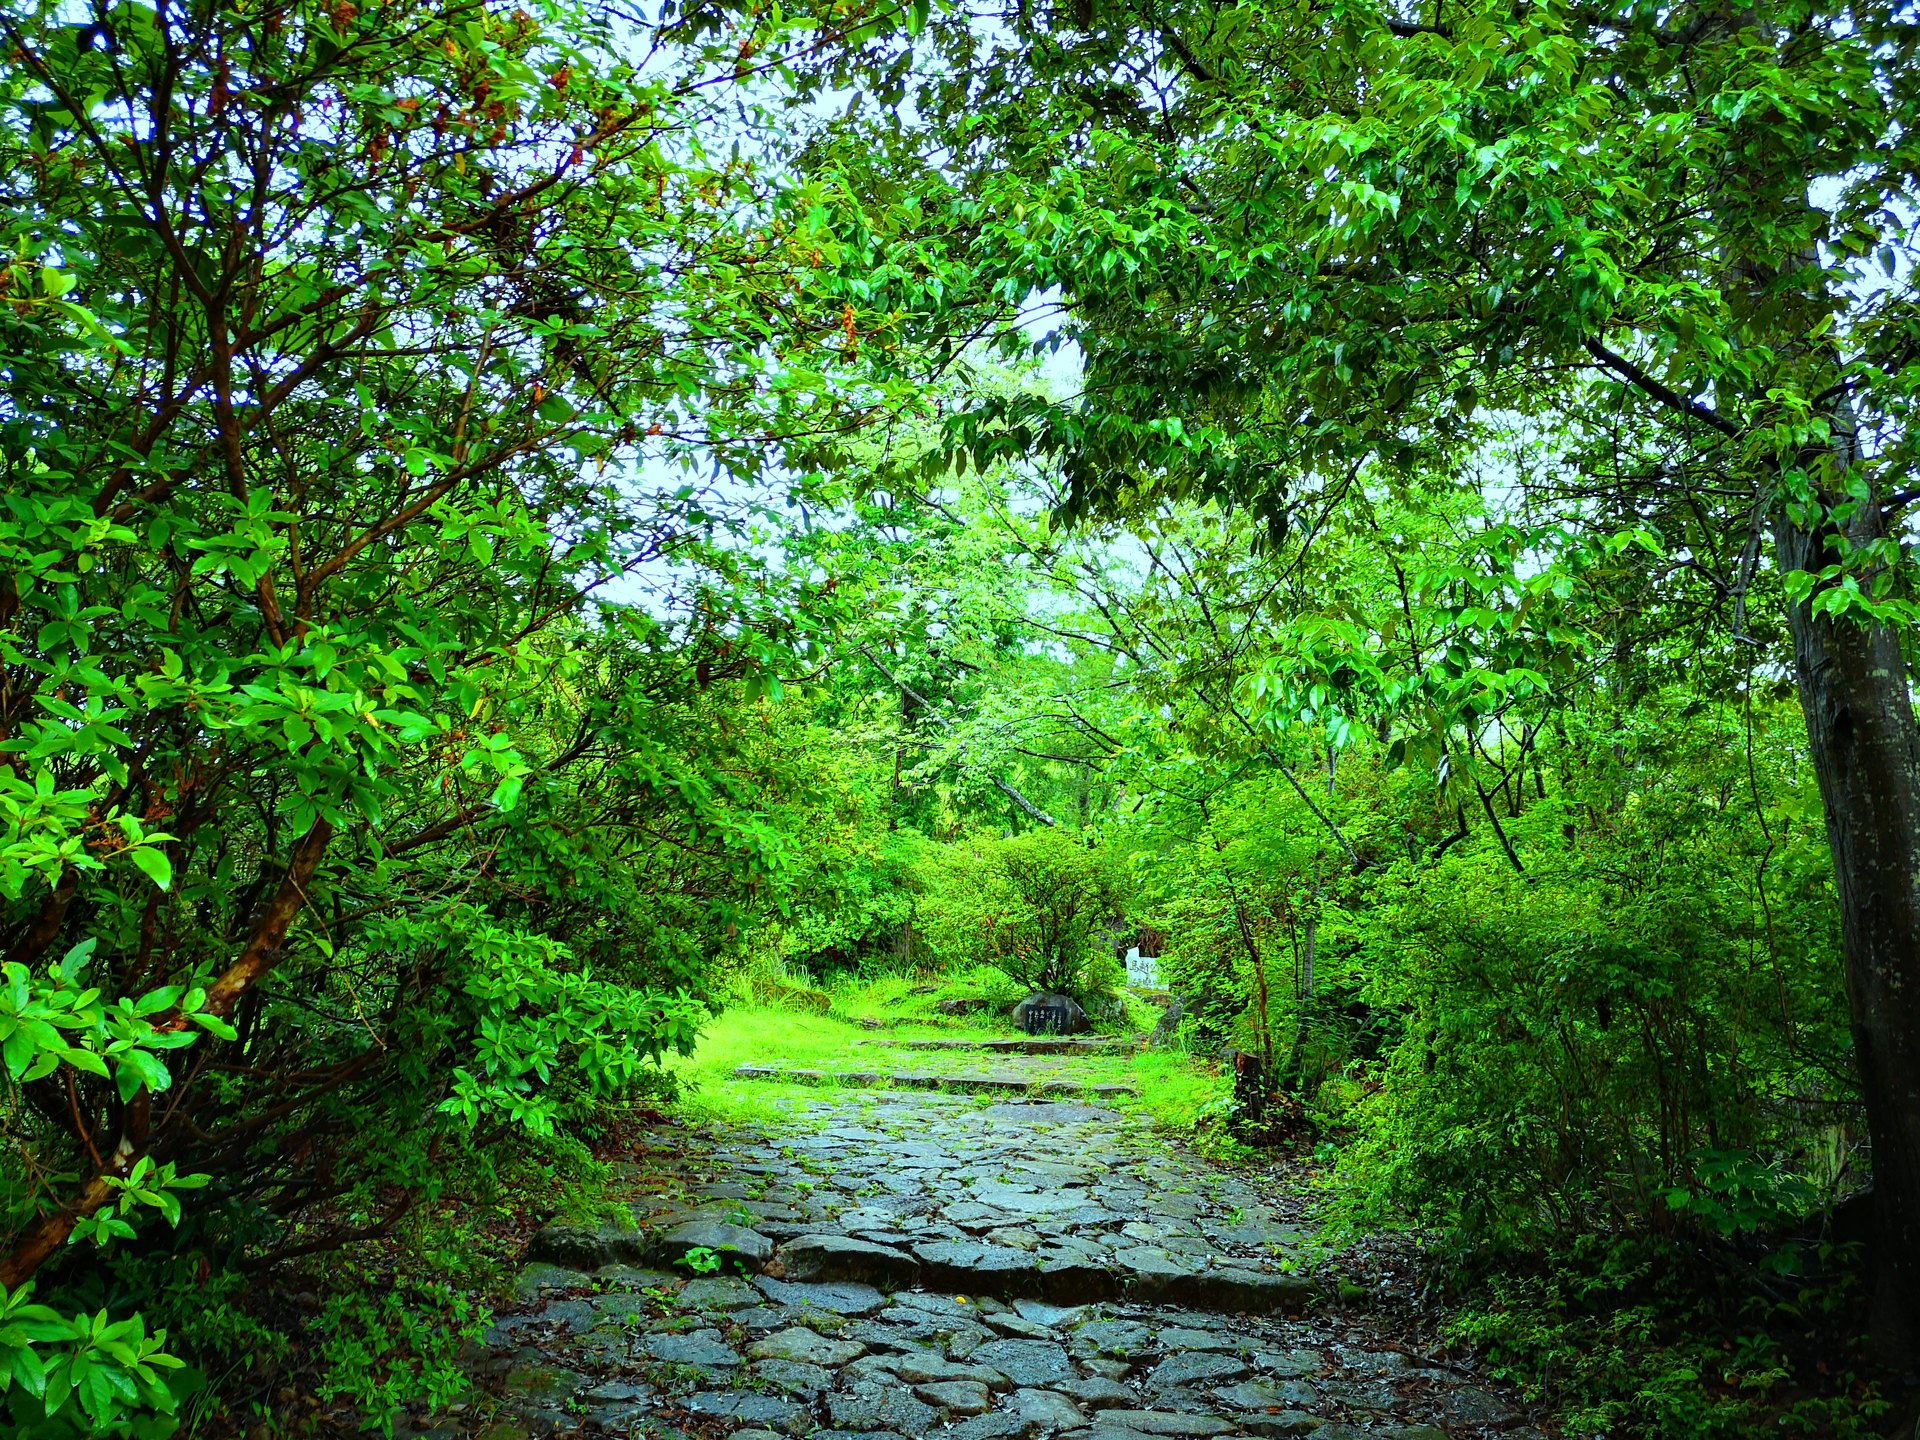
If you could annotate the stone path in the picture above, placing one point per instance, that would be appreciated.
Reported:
(899, 1264)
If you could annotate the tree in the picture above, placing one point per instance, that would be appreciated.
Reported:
(1310, 251)
(336, 340)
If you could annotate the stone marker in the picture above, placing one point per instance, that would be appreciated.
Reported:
(1045, 1014)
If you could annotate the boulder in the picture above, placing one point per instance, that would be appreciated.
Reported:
(1168, 1025)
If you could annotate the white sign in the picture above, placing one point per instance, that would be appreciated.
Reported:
(1142, 970)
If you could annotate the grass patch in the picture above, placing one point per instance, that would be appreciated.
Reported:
(773, 1035)
(1174, 1090)
(905, 1000)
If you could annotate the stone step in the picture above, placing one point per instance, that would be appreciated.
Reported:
(951, 1267)
(923, 1080)
(976, 1268)
(1021, 1045)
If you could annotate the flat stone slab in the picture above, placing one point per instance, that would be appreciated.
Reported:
(806, 1347)
(1027, 1362)
(1033, 1113)
(1196, 1367)
(702, 1347)
(748, 1406)
(1165, 1422)
(958, 1397)
(835, 1299)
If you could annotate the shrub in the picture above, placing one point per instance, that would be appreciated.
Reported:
(1040, 907)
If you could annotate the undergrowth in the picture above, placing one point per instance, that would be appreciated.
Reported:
(1645, 1337)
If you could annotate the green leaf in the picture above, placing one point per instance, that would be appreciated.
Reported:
(154, 864)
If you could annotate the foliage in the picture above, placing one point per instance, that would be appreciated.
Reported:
(83, 1374)
(338, 341)
(512, 523)
(384, 1349)
(1636, 1336)
(1587, 1043)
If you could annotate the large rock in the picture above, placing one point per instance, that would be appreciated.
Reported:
(586, 1247)
(1167, 1028)
(840, 1257)
(734, 1244)
(1045, 1014)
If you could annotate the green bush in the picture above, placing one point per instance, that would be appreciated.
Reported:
(1039, 907)
(1628, 1037)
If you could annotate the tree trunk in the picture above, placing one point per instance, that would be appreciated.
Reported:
(1866, 753)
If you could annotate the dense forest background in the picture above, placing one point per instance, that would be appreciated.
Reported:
(523, 526)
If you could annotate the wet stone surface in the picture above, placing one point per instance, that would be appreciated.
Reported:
(924, 1264)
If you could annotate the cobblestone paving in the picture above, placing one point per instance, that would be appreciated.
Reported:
(910, 1264)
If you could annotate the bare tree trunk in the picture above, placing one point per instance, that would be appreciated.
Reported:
(1866, 753)
(36, 1243)
(1292, 1079)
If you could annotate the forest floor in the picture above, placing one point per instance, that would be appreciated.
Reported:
(893, 1260)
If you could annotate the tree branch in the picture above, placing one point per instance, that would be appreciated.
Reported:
(914, 695)
(1666, 395)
